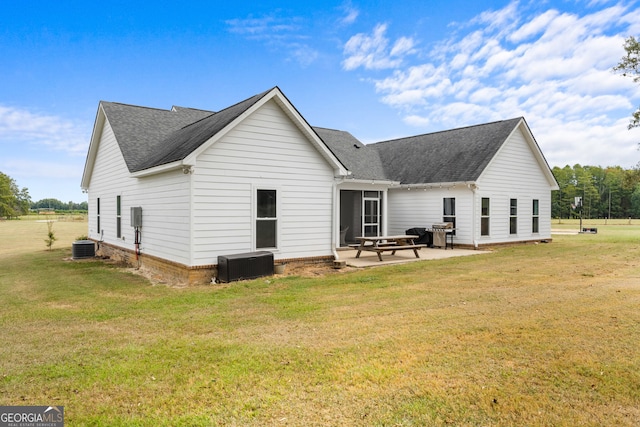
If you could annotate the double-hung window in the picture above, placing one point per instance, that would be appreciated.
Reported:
(449, 210)
(484, 217)
(535, 224)
(513, 216)
(98, 215)
(118, 217)
(266, 219)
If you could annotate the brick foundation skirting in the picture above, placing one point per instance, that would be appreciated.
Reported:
(177, 274)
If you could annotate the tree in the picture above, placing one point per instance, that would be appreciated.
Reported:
(13, 201)
(51, 235)
(629, 65)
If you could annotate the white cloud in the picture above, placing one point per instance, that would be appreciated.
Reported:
(19, 126)
(350, 14)
(279, 33)
(534, 27)
(372, 51)
(265, 27)
(551, 66)
(592, 143)
(304, 54)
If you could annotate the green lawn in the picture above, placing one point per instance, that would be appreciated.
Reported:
(535, 335)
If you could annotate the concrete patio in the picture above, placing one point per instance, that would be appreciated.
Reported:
(370, 259)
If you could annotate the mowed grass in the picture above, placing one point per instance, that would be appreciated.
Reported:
(28, 234)
(535, 335)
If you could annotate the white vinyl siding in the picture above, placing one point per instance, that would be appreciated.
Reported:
(266, 151)
(514, 173)
(424, 207)
(164, 199)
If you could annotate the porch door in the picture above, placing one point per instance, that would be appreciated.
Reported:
(371, 217)
(360, 215)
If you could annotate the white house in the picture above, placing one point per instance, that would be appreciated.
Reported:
(257, 176)
(490, 180)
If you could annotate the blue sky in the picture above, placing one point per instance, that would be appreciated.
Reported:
(378, 69)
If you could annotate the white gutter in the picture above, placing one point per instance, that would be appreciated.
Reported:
(186, 168)
(437, 185)
(367, 181)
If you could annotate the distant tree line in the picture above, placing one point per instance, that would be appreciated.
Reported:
(57, 205)
(611, 192)
(16, 201)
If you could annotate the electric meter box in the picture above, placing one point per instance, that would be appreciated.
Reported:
(136, 216)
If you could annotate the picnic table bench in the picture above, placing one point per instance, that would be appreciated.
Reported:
(391, 244)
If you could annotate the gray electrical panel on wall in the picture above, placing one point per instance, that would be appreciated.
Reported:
(136, 216)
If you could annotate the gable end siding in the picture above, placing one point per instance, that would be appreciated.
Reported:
(514, 173)
(265, 151)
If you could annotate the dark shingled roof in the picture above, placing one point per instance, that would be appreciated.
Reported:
(456, 155)
(151, 137)
(182, 142)
(140, 130)
(362, 161)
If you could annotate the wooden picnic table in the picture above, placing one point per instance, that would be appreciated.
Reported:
(379, 244)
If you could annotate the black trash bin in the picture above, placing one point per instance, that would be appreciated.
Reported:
(424, 237)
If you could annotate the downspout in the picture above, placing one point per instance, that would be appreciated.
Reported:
(335, 205)
(188, 170)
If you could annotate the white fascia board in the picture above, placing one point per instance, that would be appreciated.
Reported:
(537, 152)
(93, 148)
(159, 169)
(535, 149)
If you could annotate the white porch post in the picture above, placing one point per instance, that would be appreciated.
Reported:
(385, 213)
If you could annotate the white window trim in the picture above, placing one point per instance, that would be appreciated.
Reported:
(119, 234)
(254, 215)
(513, 216)
(488, 217)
